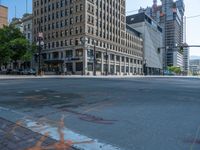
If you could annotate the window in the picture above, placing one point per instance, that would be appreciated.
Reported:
(79, 66)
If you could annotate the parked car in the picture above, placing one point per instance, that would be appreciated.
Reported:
(28, 72)
(9, 71)
(20, 72)
(31, 72)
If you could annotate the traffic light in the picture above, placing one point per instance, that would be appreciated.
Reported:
(181, 49)
(158, 50)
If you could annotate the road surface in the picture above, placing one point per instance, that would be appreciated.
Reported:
(126, 113)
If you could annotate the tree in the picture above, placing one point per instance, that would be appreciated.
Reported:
(4, 55)
(177, 70)
(14, 46)
(174, 69)
(19, 48)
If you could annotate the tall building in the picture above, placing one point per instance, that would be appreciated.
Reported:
(3, 16)
(170, 16)
(152, 40)
(76, 30)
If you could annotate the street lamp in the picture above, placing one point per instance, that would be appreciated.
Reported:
(94, 70)
(40, 44)
(106, 61)
(84, 41)
(145, 67)
(164, 56)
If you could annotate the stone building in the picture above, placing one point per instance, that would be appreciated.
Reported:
(87, 37)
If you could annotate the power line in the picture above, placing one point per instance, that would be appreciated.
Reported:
(132, 11)
(190, 17)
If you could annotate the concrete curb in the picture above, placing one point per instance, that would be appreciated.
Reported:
(6, 77)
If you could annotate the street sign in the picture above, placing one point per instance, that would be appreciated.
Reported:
(40, 35)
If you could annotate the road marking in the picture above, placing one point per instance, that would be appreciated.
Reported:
(195, 140)
(57, 96)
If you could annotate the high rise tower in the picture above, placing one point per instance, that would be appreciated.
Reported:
(170, 16)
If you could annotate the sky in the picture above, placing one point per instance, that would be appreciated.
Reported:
(192, 9)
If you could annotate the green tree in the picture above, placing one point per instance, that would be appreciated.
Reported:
(174, 69)
(5, 54)
(19, 48)
(14, 46)
(177, 70)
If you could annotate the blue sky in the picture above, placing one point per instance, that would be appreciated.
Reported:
(192, 9)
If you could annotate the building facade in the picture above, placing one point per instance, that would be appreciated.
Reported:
(152, 41)
(194, 66)
(186, 58)
(87, 36)
(170, 16)
(27, 24)
(17, 23)
(3, 16)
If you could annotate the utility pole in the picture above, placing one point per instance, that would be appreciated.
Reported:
(15, 12)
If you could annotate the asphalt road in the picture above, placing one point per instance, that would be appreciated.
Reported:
(132, 114)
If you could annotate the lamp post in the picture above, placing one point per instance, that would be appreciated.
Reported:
(145, 67)
(164, 56)
(106, 61)
(40, 44)
(94, 66)
(84, 41)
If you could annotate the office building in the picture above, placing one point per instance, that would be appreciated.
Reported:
(87, 37)
(170, 16)
(152, 41)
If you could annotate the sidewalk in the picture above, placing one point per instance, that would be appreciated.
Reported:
(15, 137)
(61, 76)
(10, 77)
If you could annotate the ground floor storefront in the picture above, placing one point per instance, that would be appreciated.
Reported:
(72, 68)
(80, 61)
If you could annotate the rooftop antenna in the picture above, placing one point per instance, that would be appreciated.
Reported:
(26, 6)
(15, 12)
